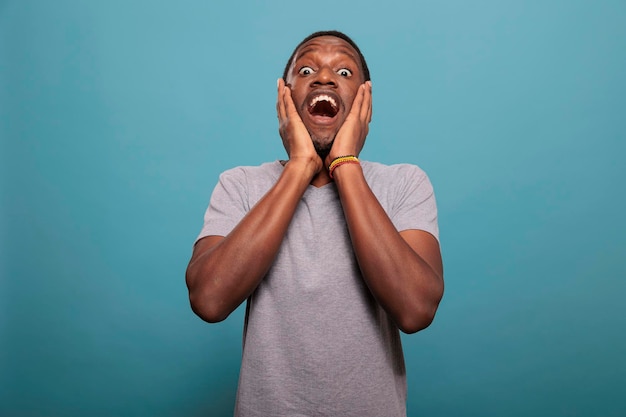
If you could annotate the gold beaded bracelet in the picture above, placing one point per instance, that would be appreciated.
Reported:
(346, 159)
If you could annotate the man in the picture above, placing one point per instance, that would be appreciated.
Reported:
(332, 254)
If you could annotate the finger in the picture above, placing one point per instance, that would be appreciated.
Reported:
(368, 102)
(280, 101)
(357, 103)
(290, 107)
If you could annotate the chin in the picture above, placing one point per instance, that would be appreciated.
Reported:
(323, 150)
(322, 145)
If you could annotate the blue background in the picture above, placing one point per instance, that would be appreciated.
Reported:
(118, 116)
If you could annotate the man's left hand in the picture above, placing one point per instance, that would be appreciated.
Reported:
(351, 136)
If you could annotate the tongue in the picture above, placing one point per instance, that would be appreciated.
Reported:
(323, 108)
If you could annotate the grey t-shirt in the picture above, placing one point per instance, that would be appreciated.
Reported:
(316, 343)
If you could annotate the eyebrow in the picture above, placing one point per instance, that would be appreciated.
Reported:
(343, 50)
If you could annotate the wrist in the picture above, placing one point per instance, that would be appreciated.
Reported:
(337, 153)
(309, 166)
(346, 174)
(340, 161)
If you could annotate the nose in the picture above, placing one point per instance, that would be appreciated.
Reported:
(324, 76)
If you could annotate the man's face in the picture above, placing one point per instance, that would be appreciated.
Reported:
(324, 77)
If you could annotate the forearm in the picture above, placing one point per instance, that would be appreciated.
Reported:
(221, 276)
(404, 277)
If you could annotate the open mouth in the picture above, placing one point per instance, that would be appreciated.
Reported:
(324, 106)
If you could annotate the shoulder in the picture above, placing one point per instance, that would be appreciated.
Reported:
(398, 185)
(268, 171)
(248, 183)
(376, 172)
(406, 194)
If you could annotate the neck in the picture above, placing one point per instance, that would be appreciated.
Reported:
(321, 179)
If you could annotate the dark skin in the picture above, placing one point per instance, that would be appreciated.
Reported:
(403, 270)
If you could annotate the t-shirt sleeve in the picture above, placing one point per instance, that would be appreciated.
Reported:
(228, 205)
(415, 206)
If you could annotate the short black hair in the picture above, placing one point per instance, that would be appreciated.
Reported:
(336, 34)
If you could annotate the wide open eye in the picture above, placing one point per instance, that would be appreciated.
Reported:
(344, 72)
(305, 71)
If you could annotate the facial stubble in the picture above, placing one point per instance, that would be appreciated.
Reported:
(322, 147)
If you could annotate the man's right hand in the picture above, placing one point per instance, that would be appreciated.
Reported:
(295, 136)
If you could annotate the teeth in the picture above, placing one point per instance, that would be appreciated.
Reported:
(323, 97)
